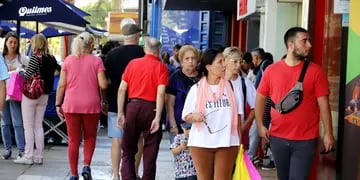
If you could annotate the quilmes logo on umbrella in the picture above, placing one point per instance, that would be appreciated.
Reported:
(34, 11)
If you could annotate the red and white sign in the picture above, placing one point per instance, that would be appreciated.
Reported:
(245, 8)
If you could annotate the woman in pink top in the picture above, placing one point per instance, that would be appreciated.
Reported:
(81, 77)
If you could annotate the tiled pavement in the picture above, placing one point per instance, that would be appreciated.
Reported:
(55, 165)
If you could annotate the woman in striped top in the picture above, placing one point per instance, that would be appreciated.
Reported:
(33, 110)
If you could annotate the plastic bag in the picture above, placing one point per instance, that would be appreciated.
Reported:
(253, 172)
(15, 86)
(241, 171)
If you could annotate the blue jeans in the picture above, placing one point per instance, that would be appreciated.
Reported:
(293, 159)
(254, 140)
(12, 113)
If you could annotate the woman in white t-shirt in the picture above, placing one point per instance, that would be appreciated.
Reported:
(215, 111)
(12, 108)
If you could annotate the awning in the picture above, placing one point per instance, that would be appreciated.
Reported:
(24, 32)
(96, 31)
(43, 11)
(50, 32)
(210, 5)
(77, 29)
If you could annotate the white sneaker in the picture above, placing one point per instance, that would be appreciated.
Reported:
(38, 161)
(115, 178)
(23, 160)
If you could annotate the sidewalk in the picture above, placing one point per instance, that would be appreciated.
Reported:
(55, 165)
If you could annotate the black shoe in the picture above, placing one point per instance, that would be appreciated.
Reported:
(269, 166)
(6, 155)
(86, 173)
(74, 178)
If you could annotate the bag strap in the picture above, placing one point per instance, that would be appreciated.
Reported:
(38, 67)
(303, 71)
(231, 85)
(244, 91)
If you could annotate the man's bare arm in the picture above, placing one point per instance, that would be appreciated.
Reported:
(325, 115)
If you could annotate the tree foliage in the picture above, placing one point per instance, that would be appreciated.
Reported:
(98, 12)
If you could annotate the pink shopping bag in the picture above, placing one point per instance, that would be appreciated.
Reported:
(253, 172)
(15, 86)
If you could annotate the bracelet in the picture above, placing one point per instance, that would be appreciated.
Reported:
(58, 105)
(173, 127)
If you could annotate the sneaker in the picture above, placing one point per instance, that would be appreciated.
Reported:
(51, 140)
(115, 178)
(86, 173)
(138, 178)
(21, 154)
(38, 161)
(23, 160)
(269, 166)
(6, 155)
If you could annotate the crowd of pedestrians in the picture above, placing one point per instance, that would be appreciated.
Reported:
(210, 102)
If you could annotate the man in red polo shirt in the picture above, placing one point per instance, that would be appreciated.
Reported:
(145, 80)
(293, 136)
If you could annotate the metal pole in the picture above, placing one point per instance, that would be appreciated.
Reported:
(37, 27)
(18, 28)
(144, 16)
(140, 10)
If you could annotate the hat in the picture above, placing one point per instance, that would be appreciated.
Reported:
(129, 29)
(186, 125)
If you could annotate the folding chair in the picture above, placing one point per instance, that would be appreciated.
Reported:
(51, 118)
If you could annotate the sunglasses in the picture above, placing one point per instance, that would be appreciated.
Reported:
(207, 125)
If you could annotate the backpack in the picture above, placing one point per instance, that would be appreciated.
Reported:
(34, 87)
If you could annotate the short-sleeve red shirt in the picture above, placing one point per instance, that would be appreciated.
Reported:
(303, 122)
(144, 75)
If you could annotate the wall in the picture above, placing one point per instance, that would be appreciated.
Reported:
(272, 29)
(287, 17)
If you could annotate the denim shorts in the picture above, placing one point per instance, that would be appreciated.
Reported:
(113, 130)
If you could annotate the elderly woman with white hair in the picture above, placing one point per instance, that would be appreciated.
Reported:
(81, 77)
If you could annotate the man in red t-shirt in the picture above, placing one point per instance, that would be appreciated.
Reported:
(293, 136)
(145, 80)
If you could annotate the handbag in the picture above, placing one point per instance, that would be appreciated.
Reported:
(34, 87)
(15, 86)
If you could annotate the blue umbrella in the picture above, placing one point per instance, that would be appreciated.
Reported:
(52, 32)
(96, 31)
(42, 11)
(76, 9)
(24, 32)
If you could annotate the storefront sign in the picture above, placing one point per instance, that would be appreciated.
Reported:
(245, 8)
